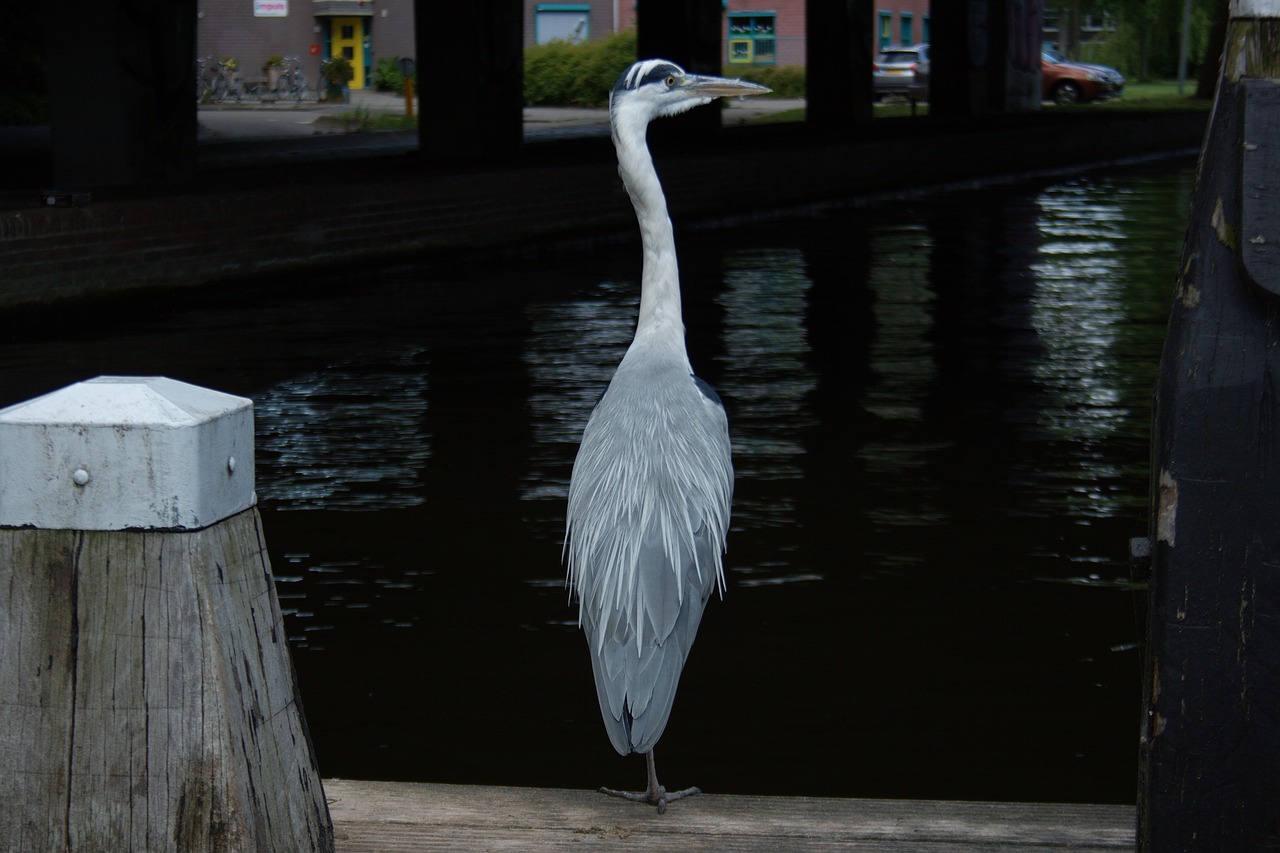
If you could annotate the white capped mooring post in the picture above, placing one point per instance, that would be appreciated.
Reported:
(147, 698)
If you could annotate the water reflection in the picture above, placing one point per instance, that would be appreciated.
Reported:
(1078, 312)
(348, 436)
(902, 356)
(571, 353)
(1078, 308)
(939, 410)
(898, 457)
(764, 383)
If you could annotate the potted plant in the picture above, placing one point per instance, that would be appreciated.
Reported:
(338, 74)
(271, 70)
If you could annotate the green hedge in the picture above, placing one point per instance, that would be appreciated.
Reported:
(787, 82)
(387, 76)
(560, 74)
(563, 74)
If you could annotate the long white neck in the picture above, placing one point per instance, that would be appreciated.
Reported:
(660, 277)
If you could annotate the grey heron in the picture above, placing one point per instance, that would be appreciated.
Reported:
(652, 483)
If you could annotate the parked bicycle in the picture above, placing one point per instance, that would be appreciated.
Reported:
(216, 81)
(293, 80)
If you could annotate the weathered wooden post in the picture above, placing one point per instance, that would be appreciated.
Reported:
(1210, 747)
(147, 699)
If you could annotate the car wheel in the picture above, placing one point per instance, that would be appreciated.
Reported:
(1067, 92)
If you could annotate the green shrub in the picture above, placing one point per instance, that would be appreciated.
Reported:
(562, 74)
(19, 108)
(387, 76)
(786, 82)
(337, 71)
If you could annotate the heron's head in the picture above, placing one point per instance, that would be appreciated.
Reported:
(653, 88)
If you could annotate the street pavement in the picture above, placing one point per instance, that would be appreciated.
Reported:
(242, 134)
(265, 120)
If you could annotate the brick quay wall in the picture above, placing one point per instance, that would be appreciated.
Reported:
(236, 222)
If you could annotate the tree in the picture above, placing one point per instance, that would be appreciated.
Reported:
(1207, 81)
(1148, 33)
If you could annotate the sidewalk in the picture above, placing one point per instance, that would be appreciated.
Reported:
(241, 134)
(287, 119)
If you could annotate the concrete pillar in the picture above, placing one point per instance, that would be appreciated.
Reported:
(121, 84)
(990, 63)
(470, 78)
(838, 68)
(149, 699)
(690, 34)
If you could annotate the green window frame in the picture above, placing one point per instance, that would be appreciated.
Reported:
(752, 38)
(561, 14)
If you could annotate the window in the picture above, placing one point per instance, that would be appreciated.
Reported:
(569, 22)
(906, 30)
(752, 40)
(884, 29)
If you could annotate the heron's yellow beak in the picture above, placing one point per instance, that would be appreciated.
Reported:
(721, 87)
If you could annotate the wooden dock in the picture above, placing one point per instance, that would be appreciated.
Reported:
(383, 817)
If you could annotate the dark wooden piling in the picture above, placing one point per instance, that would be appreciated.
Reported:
(1210, 747)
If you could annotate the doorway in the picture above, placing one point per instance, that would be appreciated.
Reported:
(346, 38)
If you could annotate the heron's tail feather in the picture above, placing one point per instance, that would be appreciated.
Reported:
(636, 679)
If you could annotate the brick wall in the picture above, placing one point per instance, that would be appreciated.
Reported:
(600, 16)
(382, 209)
(229, 28)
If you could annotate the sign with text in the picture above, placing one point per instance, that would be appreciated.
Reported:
(270, 8)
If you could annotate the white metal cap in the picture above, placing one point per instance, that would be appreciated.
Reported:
(124, 452)
(1255, 8)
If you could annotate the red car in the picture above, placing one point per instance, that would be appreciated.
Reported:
(1066, 82)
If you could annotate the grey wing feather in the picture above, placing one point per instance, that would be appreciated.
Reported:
(648, 513)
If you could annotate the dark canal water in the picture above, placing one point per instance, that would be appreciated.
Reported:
(939, 408)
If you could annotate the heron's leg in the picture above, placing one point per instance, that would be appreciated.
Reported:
(663, 795)
(654, 794)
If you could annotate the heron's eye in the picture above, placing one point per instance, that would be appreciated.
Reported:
(671, 80)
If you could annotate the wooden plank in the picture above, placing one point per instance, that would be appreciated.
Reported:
(37, 659)
(147, 699)
(385, 817)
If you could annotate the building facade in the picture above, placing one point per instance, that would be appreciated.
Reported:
(363, 31)
(903, 24)
(753, 33)
(576, 22)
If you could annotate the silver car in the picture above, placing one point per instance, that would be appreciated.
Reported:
(902, 72)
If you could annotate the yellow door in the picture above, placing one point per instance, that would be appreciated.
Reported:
(346, 35)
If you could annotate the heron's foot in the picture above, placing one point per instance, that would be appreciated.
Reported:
(659, 797)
